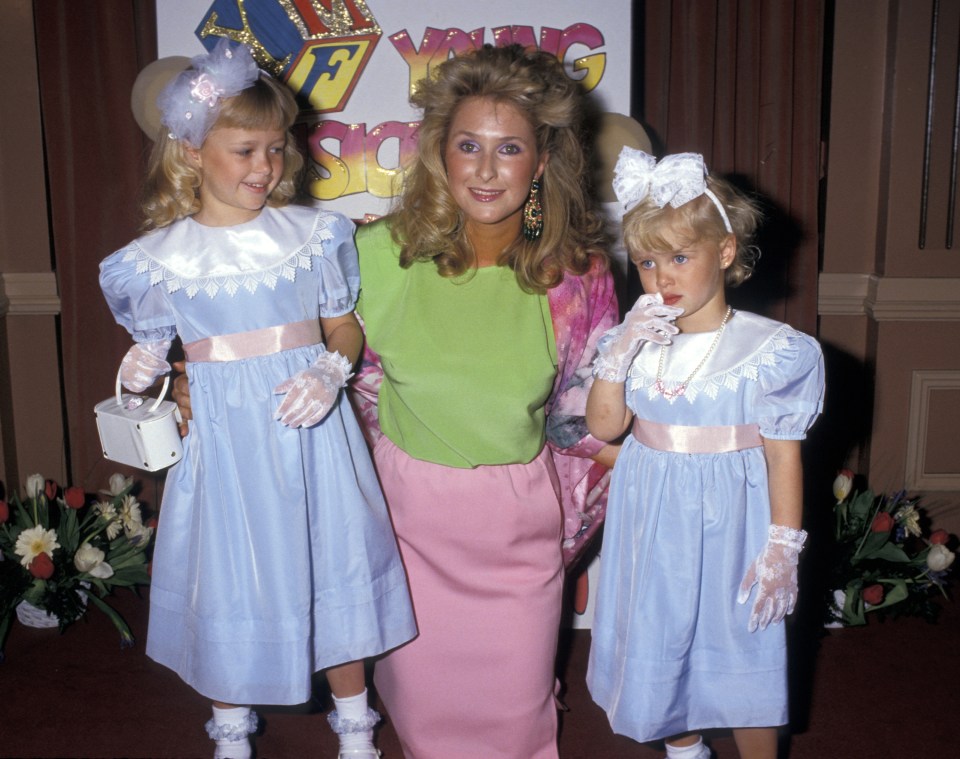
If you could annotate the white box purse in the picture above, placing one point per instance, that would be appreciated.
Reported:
(137, 433)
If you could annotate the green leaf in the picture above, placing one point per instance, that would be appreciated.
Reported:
(853, 605)
(861, 505)
(897, 592)
(891, 552)
(126, 637)
(871, 544)
(69, 532)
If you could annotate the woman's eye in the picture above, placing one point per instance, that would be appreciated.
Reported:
(468, 147)
(510, 149)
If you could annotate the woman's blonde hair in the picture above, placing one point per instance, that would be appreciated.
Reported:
(171, 189)
(646, 227)
(429, 225)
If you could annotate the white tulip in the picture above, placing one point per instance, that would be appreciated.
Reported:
(90, 559)
(939, 558)
(34, 485)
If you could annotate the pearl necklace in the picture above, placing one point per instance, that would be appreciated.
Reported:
(678, 390)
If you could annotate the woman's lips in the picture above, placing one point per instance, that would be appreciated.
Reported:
(485, 196)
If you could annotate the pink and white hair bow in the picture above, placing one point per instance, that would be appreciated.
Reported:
(676, 179)
(189, 105)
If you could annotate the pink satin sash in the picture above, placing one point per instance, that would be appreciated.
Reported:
(677, 438)
(259, 342)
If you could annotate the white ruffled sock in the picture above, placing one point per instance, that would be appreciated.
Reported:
(353, 722)
(231, 729)
(696, 751)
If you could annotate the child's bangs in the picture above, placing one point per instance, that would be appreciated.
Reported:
(258, 107)
(652, 229)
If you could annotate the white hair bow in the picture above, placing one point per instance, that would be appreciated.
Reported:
(676, 179)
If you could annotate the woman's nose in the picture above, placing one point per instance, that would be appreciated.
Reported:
(486, 167)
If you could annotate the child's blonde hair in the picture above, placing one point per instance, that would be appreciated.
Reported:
(171, 188)
(646, 226)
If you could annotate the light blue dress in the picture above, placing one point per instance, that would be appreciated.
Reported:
(274, 557)
(671, 652)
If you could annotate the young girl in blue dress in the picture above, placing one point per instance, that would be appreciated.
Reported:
(275, 557)
(703, 528)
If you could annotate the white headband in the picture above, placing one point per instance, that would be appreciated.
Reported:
(676, 179)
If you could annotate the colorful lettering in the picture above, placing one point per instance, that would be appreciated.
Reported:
(437, 45)
(357, 168)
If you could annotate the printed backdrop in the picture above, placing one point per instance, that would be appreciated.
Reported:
(353, 64)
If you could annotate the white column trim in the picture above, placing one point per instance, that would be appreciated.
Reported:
(33, 293)
(889, 298)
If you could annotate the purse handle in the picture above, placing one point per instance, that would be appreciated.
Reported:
(156, 404)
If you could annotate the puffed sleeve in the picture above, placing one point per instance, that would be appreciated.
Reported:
(791, 388)
(340, 270)
(139, 307)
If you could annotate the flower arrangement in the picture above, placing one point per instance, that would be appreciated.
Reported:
(61, 550)
(884, 562)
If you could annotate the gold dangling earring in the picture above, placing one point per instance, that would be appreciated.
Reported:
(533, 213)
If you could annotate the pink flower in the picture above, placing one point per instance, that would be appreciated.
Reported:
(872, 594)
(4, 512)
(74, 497)
(42, 566)
(937, 537)
(205, 90)
(882, 522)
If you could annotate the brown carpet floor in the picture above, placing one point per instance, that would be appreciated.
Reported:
(887, 690)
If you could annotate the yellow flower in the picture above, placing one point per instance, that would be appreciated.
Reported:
(109, 513)
(33, 542)
(909, 519)
(130, 512)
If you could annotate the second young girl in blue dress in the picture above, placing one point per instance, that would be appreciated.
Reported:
(703, 526)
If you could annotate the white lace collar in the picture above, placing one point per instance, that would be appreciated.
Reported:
(749, 342)
(189, 256)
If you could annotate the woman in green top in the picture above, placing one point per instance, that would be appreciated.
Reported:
(482, 297)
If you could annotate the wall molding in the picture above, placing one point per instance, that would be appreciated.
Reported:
(923, 383)
(29, 293)
(889, 298)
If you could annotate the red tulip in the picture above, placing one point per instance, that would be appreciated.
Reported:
(74, 497)
(42, 567)
(4, 512)
(50, 489)
(882, 522)
(872, 594)
(937, 537)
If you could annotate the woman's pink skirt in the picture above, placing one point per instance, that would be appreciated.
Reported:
(482, 553)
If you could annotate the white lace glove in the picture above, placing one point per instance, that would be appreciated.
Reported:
(774, 572)
(649, 320)
(143, 363)
(312, 392)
